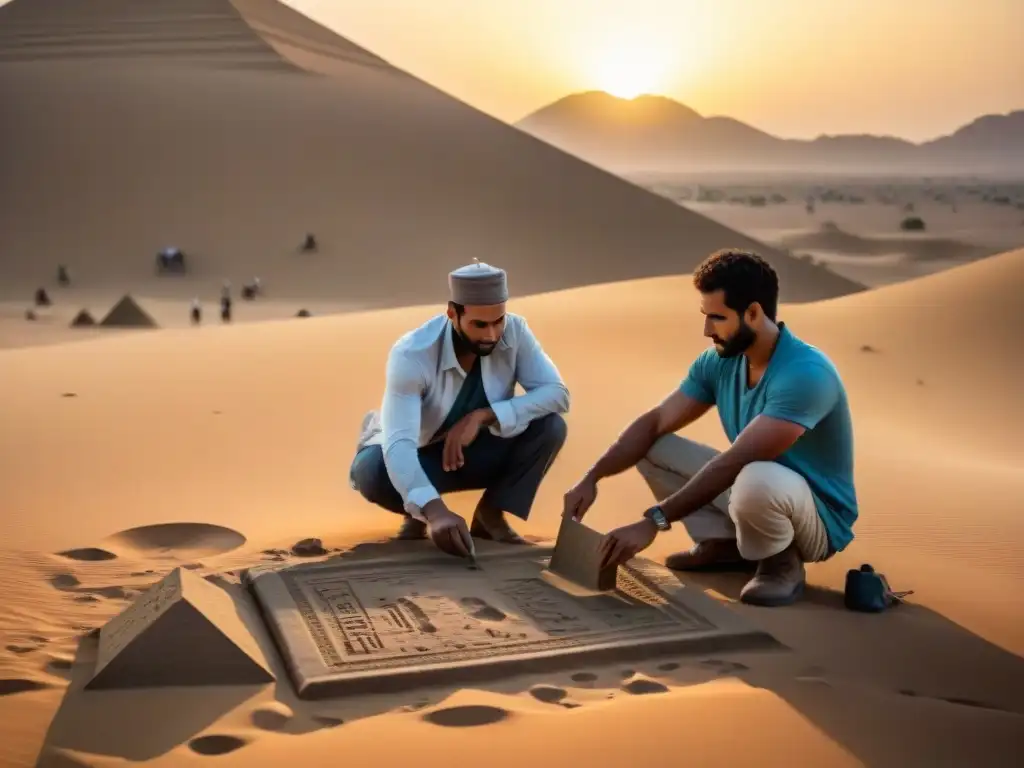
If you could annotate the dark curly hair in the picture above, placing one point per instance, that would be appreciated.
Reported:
(745, 278)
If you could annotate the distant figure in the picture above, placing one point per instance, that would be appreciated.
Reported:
(197, 312)
(309, 244)
(225, 308)
(62, 275)
(30, 315)
(810, 205)
(225, 290)
(170, 260)
(42, 298)
(250, 291)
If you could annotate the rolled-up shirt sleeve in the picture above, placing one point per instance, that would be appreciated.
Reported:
(400, 423)
(544, 390)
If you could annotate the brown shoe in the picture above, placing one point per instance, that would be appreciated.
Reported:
(779, 580)
(710, 555)
(491, 524)
(411, 529)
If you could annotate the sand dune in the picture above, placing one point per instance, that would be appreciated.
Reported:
(400, 181)
(829, 237)
(247, 457)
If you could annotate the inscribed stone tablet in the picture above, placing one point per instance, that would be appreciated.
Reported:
(347, 627)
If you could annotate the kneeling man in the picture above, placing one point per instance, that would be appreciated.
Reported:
(450, 419)
(782, 494)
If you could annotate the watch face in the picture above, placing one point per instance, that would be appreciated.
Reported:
(656, 514)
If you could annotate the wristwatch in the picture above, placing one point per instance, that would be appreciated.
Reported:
(657, 516)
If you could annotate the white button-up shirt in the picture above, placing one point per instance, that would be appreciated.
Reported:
(423, 379)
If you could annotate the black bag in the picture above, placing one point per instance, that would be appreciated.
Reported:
(869, 592)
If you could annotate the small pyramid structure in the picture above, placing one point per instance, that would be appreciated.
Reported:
(128, 314)
(83, 320)
(183, 631)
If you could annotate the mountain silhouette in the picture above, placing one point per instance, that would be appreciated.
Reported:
(659, 133)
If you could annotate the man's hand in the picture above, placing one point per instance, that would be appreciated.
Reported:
(579, 498)
(447, 530)
(622, 543)
(462, 434)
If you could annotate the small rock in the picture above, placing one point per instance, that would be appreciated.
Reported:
(867, 348)
(309, 548)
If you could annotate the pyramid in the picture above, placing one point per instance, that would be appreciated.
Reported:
(128, 314)
(83, 319)
(182, 631)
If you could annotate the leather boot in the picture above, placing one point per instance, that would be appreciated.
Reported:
(491, 524)
(779, 580)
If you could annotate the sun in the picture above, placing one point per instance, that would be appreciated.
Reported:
(628, 72)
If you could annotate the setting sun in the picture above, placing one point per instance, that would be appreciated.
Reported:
(628, 72)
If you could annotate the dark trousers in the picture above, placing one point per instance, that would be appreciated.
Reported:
(508, 470)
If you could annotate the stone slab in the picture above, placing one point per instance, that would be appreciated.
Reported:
(397, 623)
(182, 631)
(577, 557)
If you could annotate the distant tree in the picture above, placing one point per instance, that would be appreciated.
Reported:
(912, 224)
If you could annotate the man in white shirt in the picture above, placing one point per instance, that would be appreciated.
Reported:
(447, 381)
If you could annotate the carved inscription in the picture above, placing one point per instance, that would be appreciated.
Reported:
(395, 623)
(127, 625)
(405, 616)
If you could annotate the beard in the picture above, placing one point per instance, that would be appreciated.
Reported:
(736, 344)
(464, 344)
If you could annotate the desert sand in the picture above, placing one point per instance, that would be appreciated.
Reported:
(243, 435)
(124, 454)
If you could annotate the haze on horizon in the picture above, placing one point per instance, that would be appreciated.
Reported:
(794, 68)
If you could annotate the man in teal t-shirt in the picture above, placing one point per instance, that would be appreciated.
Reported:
(783, 493)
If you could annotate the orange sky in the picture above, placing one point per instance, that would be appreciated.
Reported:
(797, 68)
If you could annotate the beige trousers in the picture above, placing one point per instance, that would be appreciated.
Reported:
(768, 507)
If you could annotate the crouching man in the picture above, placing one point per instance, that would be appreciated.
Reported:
(450, 420)
(782, 494)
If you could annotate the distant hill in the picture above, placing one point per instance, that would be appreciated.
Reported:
(658, 133)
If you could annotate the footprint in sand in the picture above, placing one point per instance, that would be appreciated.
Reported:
(642, 686)
(549, 694)
(216, 744)
(13, 685)
(87, 554)
(724, 667)
(60, 666)
(190, 540)
(584, 679)
(272, 717)
(467, 716)
(65, 581)
(33, 643)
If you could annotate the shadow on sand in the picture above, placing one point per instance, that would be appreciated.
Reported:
(905, 687)
(900, 688)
